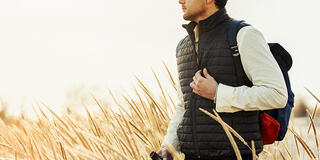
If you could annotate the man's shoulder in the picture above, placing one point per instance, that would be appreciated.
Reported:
(179, 44)
(181, 40)
(248, 32)
(244, 28)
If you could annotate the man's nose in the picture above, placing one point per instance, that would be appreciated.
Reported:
(181, 1)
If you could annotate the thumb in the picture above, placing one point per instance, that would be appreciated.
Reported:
(206, 74)
(159, 152)
(165, 155)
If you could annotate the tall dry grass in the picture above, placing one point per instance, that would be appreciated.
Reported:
(131, 131)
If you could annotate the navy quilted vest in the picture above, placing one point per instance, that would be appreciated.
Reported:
(200, 135)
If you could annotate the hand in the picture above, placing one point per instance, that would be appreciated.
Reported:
(165, 154)
(204, 86)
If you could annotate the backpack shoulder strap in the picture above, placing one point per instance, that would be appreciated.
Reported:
(232, 32)
(178, 46)
(234, 27)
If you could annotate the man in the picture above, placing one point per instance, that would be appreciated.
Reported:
(207, 79)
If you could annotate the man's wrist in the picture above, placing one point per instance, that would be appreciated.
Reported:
(215, 96)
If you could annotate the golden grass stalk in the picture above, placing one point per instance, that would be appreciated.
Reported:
(101, 152)
(15, 155)
(122, 144)
(304, 145)
(82, 152)
(53, 150)
(225, 128)
(312, 117)
(63, 152)
(13, 149)
(133, 106)
(287, 150)
(119, 105)
(254, 155)
(19, 139)
(281, 154)
(132, 152)
(314, 131)
(60, 120)
(43, 114)
(159, 84)
(233, 142)
(174, 107)
(145, 138)
(100, 106)
(295, 139)
(83, 140)
(136, 151)
(152, 98)
(173, 83)
(313, 95)
(237, 135)
(97, 131)
(143, 122)
(105, 144)
(145, 110)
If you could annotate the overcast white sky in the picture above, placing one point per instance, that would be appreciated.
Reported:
(47, 46)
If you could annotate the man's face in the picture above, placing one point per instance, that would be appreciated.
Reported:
(192, 9)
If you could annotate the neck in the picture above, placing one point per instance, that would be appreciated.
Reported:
(196, 33)
(206, 14)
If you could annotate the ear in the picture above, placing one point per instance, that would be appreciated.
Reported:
(210, 1)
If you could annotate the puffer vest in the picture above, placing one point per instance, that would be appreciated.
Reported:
(199, 135)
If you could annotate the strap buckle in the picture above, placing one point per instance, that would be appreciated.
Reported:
(235, 50)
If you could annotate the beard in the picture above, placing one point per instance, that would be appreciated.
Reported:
(188, 17)
(192, 15)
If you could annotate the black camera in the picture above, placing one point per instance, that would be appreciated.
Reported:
(155, 156)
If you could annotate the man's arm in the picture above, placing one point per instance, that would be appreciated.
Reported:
(171, 137)
(269, 90)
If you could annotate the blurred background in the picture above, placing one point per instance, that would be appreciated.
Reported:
(60, 51)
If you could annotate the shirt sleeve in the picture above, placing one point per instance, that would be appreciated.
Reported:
(171, 137)
(269, 90)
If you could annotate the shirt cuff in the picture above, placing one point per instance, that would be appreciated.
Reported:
(224, 99)
(215, 96)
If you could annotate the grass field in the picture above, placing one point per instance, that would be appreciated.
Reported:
(131, 131)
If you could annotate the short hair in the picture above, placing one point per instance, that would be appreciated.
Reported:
(220, 3)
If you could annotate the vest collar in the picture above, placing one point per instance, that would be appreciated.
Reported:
(208, 23)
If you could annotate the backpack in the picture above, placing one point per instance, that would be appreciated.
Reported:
(273, 123)
(276, 117)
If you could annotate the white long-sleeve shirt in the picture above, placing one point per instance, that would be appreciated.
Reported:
(269, 90)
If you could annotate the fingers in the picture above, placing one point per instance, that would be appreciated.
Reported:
(159, 152)
(206, 74)
(198, 75)
(195, 80)
(194, 85)
(165, 154)
(196, 92)
(195, 88)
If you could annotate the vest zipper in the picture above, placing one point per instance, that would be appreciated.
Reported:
(194, 127)
(194, 109)
(197, 53)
